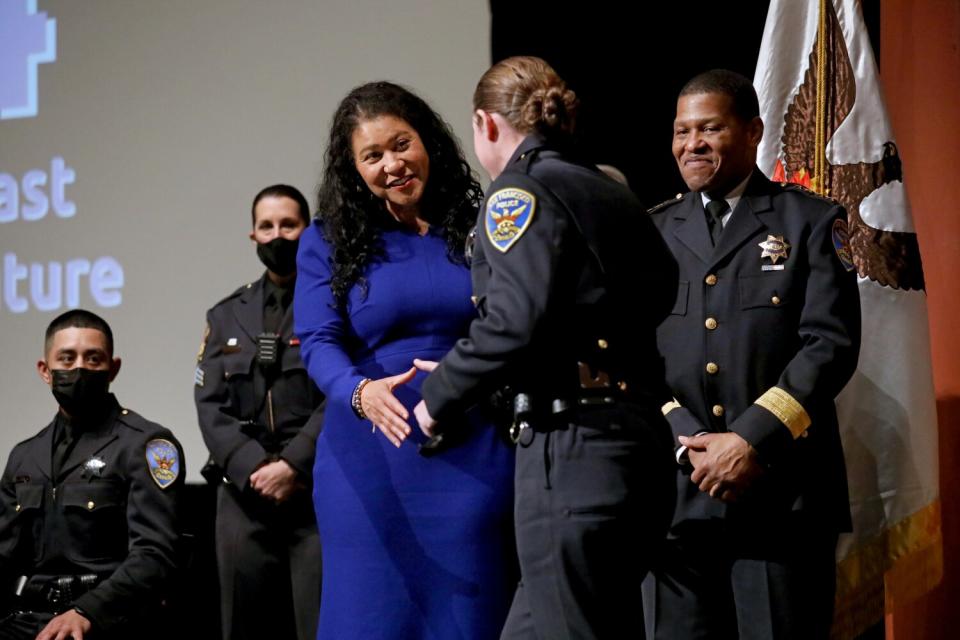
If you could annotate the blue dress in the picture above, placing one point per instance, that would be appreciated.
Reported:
(413, 547)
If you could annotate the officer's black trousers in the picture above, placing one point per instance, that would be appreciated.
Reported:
(594, 496)
(27, 625)
(268, 559)
(752, 581)
(23, 626)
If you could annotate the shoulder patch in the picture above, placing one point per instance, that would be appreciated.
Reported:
(163, 462)
(666, 203)
(841, 244)
(508, 216)
(203, 342)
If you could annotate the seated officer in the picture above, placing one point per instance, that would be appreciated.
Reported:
(88, 505)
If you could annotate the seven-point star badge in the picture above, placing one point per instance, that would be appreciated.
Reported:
(774, 247)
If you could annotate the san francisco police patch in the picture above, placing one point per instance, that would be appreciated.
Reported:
(841, 244)
(163, 460)
(509, 214)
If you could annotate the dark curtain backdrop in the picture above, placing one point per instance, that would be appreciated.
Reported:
(628, 60)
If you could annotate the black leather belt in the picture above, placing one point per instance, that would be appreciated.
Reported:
(52, 594)
(527, 409)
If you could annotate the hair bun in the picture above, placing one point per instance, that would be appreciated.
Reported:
(551, 108)
(529, 94)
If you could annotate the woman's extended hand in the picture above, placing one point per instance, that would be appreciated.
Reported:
(425, 365)
(384, 410)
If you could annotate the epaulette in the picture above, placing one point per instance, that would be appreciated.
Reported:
(235, 293)
(666, 203)
(133, 420)
(33, 437)
(526, 160)
(793, 186)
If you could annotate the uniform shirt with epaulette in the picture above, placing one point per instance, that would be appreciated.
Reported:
(250, 413)
(110, 511)
(566, 269)
(763, 335)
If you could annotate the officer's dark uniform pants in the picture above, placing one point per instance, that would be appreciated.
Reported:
(752, 581)
(594, 496)
(27, 625)
(268, 558)
(23, 626)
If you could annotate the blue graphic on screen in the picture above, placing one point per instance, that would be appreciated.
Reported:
(27, 39)
(30, 282)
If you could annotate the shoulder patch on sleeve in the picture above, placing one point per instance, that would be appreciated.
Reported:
(508, 216)
(841, 244)
(163, 462)
(203, 342)
(666, 203)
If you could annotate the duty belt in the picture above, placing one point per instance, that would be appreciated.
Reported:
(52, 594)
(595, 388)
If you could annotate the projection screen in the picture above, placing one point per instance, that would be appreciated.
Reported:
(133, 137)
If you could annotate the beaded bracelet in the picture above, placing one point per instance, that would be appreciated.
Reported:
(355, 399)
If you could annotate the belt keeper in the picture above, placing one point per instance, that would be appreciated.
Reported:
(597, 401)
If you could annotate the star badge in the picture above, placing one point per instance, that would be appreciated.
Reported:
(774, 247)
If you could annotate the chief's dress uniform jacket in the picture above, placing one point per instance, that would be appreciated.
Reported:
(760, 345)
(103, 513)
(585, 278)
(268, 555)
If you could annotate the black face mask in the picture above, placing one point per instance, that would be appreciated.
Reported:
(81, 392)
(279, 255)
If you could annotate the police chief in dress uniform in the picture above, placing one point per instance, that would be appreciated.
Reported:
(563, 258)
(260, 415)
(88, 518)
(764, 333)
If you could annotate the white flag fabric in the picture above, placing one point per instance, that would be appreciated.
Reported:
(826, 127)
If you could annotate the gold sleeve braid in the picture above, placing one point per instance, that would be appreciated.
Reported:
(670, 406)
(787, 410)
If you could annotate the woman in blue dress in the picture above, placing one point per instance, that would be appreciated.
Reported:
(413, 546)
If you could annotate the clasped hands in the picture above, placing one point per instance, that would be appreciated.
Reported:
(275, 480)
(724, 464)
(387, 413)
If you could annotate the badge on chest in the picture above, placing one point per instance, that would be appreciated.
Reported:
(93, 467)
(774, 249)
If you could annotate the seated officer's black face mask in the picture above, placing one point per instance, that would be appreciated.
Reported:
(80, 391)
(279, 255)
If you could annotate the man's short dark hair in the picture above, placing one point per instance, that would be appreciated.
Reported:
(282, 191)
(728, 83)
(78, 319)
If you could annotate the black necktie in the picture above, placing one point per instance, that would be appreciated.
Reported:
(715, 210)
(63, 447)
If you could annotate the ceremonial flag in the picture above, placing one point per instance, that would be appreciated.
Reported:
(826, 127)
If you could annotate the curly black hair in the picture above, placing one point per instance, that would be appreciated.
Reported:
(354, 218)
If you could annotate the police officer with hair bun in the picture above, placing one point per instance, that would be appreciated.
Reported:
(260, 416)
(563, 257)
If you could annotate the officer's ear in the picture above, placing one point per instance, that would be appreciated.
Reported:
(44, 372)
(755, 131)
(485, 125)
(114, 368)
